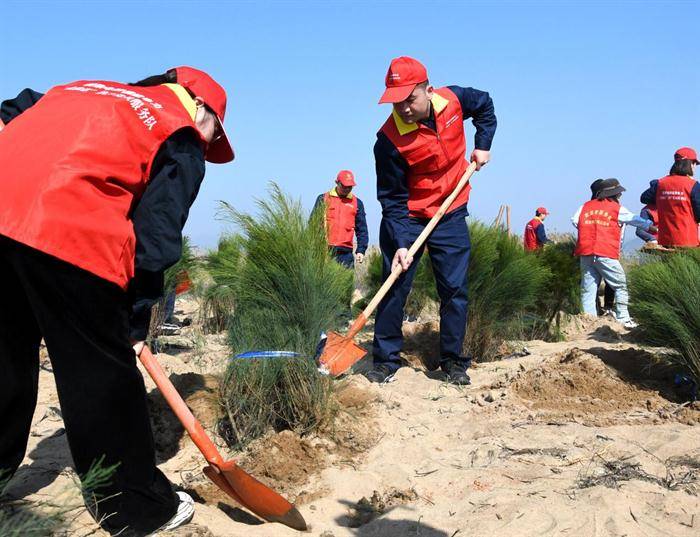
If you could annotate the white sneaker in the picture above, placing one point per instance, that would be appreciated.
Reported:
(629, 324)
(185, 512)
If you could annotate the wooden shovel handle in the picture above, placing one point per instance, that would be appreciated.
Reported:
(362, 319)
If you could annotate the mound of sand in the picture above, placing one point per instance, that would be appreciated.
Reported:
(583, 388)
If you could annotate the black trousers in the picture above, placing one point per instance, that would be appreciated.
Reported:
(84, 322)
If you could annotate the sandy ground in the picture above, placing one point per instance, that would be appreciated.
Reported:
(569, 440)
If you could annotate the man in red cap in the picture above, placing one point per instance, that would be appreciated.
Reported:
(98, 178)
(535, 236)
(420, 156)
(677, 201)
(345, 218)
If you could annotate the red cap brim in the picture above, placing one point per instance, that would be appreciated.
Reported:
(220, 151)
(345, 182)
(397, 94)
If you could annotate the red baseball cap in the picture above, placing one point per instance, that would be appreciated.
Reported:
(200, 84)
(542, 210)
(346, 178)
(403, 75)
(686, 153)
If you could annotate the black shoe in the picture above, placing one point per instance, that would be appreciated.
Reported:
(457, 374)
(381, 373)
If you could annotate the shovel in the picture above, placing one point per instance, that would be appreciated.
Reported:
(341, 352)
(227, 475)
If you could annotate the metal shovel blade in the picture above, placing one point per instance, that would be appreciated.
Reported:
(339, 354)
(255, 496)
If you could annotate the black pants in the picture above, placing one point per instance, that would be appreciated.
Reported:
(344, 256)
(84, 322)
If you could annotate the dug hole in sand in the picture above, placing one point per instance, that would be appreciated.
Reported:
(575, 439)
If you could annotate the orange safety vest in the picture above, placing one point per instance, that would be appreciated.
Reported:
(340, 219)
(677, 225)
(530, 236)
(599, 232)
(436, 159)
(75, 164)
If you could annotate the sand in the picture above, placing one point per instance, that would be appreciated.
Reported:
(570, 440)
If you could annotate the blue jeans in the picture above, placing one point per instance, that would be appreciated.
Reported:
(595, 268)
(448, 246)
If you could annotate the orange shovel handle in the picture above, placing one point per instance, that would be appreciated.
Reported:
(189, 422)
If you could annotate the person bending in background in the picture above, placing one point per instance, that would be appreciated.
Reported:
(599, 223)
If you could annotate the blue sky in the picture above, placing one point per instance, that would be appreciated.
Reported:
(582, 90)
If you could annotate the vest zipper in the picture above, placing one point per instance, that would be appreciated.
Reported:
(439, 138)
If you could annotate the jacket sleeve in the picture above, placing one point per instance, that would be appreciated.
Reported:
(648, 197)
(541, 234)
(11, 108)
(392, 189)
(695, 201)
(574, 218)
(644, 235)
(317, 205)
(158, 219)
(627, 217)
(361, 228)
(478, 105)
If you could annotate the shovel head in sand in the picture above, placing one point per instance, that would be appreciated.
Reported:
(341, 352)
(227, 475)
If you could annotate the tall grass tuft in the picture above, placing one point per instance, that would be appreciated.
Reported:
(278, 394)
(288, 289)
(505, 284)
(562, 292)
(219, 298)
(665, 301)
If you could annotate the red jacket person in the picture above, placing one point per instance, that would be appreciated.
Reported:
(98, 178)
(677, 201)
(345, 219)
(535, 236)
(420, 154)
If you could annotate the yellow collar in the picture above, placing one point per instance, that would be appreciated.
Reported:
(333, 193)
(439, 104)
(185, 99)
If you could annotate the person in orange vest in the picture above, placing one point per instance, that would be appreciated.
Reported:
(345, 219)
(649, 212)
(98, 178)
(599, 223)
(420, 156)
(535, 236)
(677, 200)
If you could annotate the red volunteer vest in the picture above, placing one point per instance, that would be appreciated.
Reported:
(340, 219)
(654, 214)
(599, 232)
(677, 226)
(74, 164)
(530, 236)
(436, 160)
